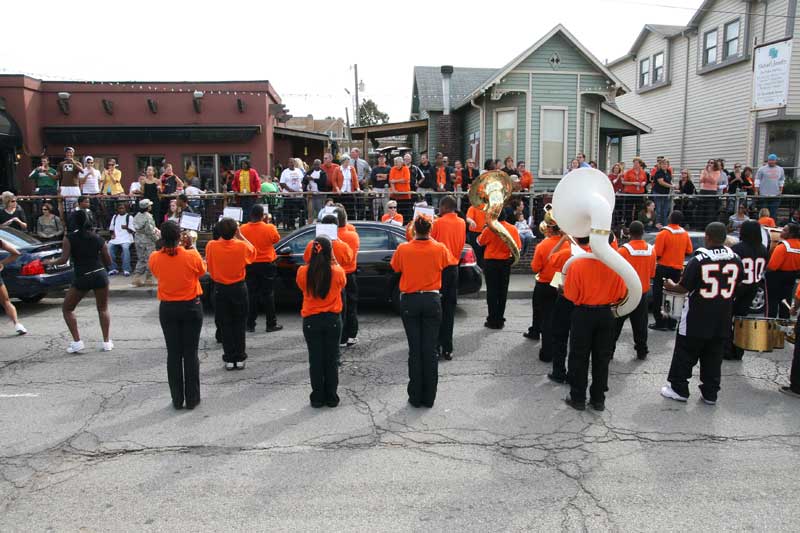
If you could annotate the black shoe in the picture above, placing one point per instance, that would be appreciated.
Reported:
(597, 406)
(333, 402)
(177, 405)
(317, 405)
(641, 356)
(414, 403)
(447, 356)
(428, 405)
(531, 336)
(543, 357)
(192, 405)
(251, 329)
(557, 378)
(274, 327)
(578, 406)
(658, 327)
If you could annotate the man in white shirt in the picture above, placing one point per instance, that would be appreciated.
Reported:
(121, 237)
(89, 177)
(292, 182)
(362, 167)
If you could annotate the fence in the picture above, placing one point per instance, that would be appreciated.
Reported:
(291, 210)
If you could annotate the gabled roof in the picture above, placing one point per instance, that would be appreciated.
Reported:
(700, 13)
(428, 81)
(663, 30)
(498, 75)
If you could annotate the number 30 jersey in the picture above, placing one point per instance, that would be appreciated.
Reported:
(711, 277)
(754, 261)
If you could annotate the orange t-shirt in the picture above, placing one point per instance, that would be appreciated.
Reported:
(560, 258)
(539, 264)
(397, 217)
(526, 180)
(450, 230)
(479, 216)
(263, 236)
(332, 303)
(178, 275)
(351, 239)
(227, 259)
(642, 259)
(495, 248)
(590, 282)
(403, 185)
(459, 180)
(341, 252)
(420, 263)
(441, 177)
(639, 176)
(767, 221)
(786, 256)
(672, 246)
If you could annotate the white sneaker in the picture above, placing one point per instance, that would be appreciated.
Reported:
(75, 347)
(343, 345)
(707, 402)
(667, 392)
(20, 329)
(106, 346)
(230, 366)
(352, 341)
(239, 365)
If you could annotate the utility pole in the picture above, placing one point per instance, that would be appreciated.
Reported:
(357, 111)
(349, 130)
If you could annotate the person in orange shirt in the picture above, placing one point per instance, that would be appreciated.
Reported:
(392, 216)
(420, 264)
(261, 273)
(322, 281)
(593, 288)
(350, 312)
(525, 177)
(672, 246)
(783, 270)
(544, 295)
(332, 171)
(476, 221)
(765, 219)
(180, 312)
(642, 258)
(497, 272)
(341, 250)
(633, 183)
(227, 259)
(450, 230)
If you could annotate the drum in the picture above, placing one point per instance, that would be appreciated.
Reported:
(774, 238)
(755, 334)
(787, 330)
(672, 306)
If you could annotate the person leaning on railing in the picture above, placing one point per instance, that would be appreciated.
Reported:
(12, 215)
(48, 226)
(709, 184)
(45, 178)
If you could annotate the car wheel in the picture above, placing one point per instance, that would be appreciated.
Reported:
(396, 299)
(32, 299)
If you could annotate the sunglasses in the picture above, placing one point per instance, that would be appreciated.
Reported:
(391, 207)
(45, 209)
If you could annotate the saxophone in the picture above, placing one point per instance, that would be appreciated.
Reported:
(488, 193)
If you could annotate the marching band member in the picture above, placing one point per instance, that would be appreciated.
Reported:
(544, 294)
(420, 263)
(672, 246)
(793, 389)
(262, 272)
(322, 281)
(476, 221)
(709, 280)
(450, 230)
(782, 270)
(497, 271)
(350, 312)
(593, 288)
(754, 259)
(642, 258)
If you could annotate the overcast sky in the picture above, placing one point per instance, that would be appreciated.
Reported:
(306, 48)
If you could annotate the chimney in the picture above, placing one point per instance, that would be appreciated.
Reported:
(447, 71)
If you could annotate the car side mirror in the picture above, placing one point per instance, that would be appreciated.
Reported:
(286, 250)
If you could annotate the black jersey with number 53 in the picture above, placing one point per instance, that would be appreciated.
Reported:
(711, 277)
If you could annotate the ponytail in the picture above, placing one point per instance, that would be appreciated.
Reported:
(318, 280)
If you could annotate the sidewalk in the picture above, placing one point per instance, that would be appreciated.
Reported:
(121, 286)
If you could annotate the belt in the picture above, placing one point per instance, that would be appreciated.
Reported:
(422, 292)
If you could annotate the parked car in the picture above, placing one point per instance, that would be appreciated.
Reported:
(27, 278)
(377, 282)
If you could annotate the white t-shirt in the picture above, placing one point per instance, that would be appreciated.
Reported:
(312, 183)
(135, 187)
(347, 183)
(293, 179)
(121, 235)
(92, 183)
(192, 192)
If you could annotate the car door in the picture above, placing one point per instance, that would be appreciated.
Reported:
(288, 262)
(374, 262)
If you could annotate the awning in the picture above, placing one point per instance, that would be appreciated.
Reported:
(289, 132)
(390, 130)
(615, 123)
(76, 135)
(8, 128)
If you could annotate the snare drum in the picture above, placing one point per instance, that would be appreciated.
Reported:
(672, 306)
(755, 334)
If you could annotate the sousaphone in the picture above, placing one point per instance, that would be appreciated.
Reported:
(489, 193)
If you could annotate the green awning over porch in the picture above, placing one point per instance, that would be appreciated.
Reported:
(615, 123)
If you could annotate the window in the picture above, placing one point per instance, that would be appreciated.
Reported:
(505, 142)
(658, 67)
(552, 132)
(372, 239)
(144, 161)
(710, 47)
(731, 39)
(644, 72)
(588, 134)
(299, 243)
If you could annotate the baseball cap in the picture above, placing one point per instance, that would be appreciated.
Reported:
(145, 203)
(88, 158)
(772, 157)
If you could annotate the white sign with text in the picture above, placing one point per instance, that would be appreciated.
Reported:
(771, 75)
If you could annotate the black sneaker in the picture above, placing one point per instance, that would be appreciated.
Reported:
(659, 327)
(557, 378)
(641, 356)
(578, 406)
(192, 405)
(447, 356)
(333, 402)
(317, 405)
(534, 336)
(414, 403)
(274, 327)
(251, 329)
(598, 406)
(788, 391)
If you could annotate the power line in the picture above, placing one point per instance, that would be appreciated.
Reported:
(704, 10)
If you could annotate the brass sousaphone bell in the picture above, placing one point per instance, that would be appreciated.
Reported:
(489, 193)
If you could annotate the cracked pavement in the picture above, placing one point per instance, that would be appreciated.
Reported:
(90, 441)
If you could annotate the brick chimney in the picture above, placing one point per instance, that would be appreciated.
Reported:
(447, 126)
(447, 72)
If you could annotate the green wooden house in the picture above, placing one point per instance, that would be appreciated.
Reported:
(547, 104)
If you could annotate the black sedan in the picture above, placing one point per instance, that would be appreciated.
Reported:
(377, 282)
(27, 278)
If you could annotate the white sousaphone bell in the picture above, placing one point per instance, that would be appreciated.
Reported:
(583, 205)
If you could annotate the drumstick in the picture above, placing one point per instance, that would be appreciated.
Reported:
(784, 302)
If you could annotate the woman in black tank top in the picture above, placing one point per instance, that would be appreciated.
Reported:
(90, 259)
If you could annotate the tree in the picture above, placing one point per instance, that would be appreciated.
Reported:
(370, 115)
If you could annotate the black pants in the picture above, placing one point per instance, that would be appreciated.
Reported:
(422, 314)
(230, 314)
(561, 320)
(260, 287)
(638, 318)
(535, 328)
(779, 287)
(322, 333)
(630, 206)
(350, 309)
(472, 239)
(181, 323)
(591, 336)
(686, 354)
(741, 307)
(497, 273)
(794, 373)
(544, 299)
(662, 273)
(449, 293)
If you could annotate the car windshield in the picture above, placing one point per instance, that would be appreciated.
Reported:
(17, 239)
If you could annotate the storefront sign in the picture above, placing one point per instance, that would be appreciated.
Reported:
(771, 75)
